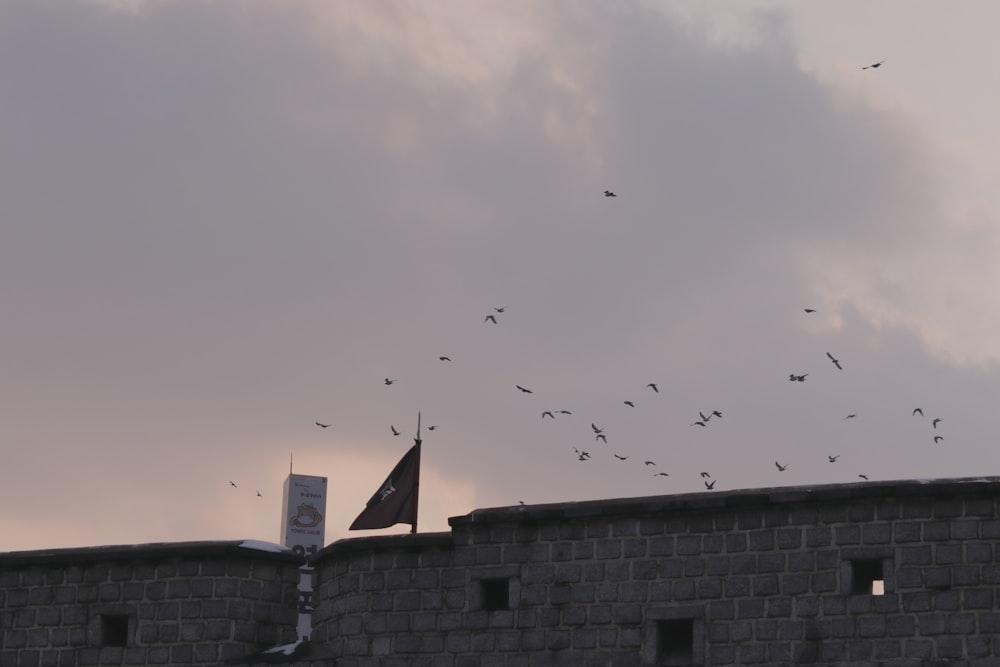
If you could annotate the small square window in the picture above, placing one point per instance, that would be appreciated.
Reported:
(868, 576)
(495, 594)
(114, 630)
(675, 641)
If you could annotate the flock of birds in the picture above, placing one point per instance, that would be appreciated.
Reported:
(703, 420)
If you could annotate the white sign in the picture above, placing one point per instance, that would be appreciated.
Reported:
(303, 514)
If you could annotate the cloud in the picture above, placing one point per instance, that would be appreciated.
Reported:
(230, 220)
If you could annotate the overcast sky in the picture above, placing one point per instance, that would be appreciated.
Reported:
(224, 221)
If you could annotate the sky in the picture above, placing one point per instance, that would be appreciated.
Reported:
(224, 221)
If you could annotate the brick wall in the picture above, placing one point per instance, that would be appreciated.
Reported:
(768, 577)
(162, 604)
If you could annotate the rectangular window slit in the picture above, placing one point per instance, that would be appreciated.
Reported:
(868, 576)
(675, 642)
(495, 594)
(114, 630)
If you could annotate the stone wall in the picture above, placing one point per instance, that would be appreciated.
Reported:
(160, 604)
(893, 573)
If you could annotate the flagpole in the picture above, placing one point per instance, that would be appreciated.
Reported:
(416, 479)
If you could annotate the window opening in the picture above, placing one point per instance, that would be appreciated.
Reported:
(495, 594)
(867, 576)
(114, 630)
(675, 641)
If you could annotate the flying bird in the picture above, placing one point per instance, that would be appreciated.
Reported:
(260, 495)
(935, 422)
(388, 382)
(836, 362)
(810, 310)
(445, 358)
(609, 193)
(630, 404)
(499, 309)
(703, 417)
(780, 467)
(584, 456)
(526, 391)
(864, 477)
(431, 428)
(652, 385)
(232, 484)
(792, 377)
(709, 485)
(874, 66)
(698, 424)
(549, 414)
(490, 318)
(565, 412)
(833, 459)
(596, 430)
(937, 439)
(650, 463)
(661, 474)
(716, 413)
(603, 438)
(322, 425)
(621, 458)
(393, 429)
(705, 474)
(917, 411)
(851, 416)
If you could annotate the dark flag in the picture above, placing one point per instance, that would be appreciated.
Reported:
(396, 500)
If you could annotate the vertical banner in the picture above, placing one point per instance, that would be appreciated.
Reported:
(303, 514)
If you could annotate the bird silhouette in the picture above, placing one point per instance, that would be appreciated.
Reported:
(699, 423)
(388, 382)
(621, 458)
(703, 417)
(652, 385)
(431, 428)
(661, 474)
(810, 310)
(792, 377)
(393, 429)
(705, 474)
(499, 309)
(565, 412)
(260, 495)
(232, 484)
(549, 414)
(780, 467)
(833, 459)
(650, 463)
(490, 318)
(851, 416)
(584, 455)
(935, 422)
(836, 362)
(865, 477)
(322, 425)
(609, 193)
(603, 438)
(937, 439)
(596, 430)
(918, 411)
(874, 66)
(709, 485)
(526, 391)
(445, 358)
(630, 404)
(716, 413)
